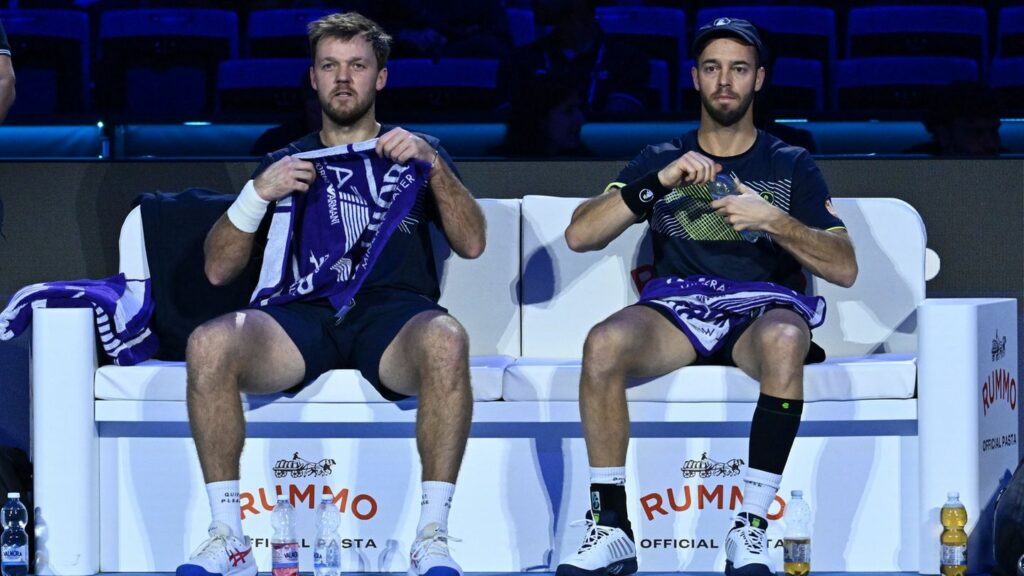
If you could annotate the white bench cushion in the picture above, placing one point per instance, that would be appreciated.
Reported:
(890, 376)
(159, 380)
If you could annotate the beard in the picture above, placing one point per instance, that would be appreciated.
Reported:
(726, 117)
(345, 117)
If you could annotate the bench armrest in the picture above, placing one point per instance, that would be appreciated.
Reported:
(65, 443)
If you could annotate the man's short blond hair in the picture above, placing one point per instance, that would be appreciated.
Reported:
(348, 25)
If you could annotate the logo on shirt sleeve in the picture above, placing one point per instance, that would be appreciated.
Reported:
(646, 195)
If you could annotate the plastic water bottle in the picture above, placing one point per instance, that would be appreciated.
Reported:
(953, 539)
(284, 545)
(796, 543)
(722, 186)
(327, 553)
(14, 541)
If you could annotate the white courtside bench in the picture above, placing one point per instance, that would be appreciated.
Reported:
(918, 397)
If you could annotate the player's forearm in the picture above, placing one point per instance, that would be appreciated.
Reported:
(598, 221)
(827, 254)
(227, 250)
(7, 95)
(461, 217)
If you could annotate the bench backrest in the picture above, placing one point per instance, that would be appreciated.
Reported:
(483, 294)
(529, 295)
(566, 293)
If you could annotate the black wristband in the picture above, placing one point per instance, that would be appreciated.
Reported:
(640, 195)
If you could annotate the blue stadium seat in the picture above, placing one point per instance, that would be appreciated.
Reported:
(450, 86)
(522, 25)
(51, 55)
(162, 63)
(1010, 37)
(960, 31)
(797, 85)
(262, 86)
(660, 32)
(1007, 79)
(897, 83)
(281, 33)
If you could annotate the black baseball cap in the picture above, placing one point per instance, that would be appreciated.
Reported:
(728, 28)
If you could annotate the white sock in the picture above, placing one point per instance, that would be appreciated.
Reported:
(224, 504)
(759, 489)
(437, 502)
(615, 475)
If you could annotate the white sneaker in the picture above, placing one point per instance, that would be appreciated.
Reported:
(224, 554)
(605, 551)
(429, 555)
(746, 547)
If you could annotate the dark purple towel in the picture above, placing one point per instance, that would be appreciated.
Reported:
(322, 243)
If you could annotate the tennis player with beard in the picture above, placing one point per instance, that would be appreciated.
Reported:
(394, 332)
(718, 297)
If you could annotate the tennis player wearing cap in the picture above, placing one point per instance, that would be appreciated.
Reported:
(728, 290)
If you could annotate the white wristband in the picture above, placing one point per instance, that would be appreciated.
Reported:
(248, 209)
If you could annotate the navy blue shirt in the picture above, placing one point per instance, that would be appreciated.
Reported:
(407, 261)
(689, 238)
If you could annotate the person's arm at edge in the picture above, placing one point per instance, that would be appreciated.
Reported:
(7, 83)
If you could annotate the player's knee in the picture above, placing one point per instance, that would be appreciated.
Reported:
(604, 347)
(783, 340)
(445, 340)
(208, 347)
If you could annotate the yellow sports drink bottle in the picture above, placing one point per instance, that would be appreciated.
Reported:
(954, 539)
(797, 541)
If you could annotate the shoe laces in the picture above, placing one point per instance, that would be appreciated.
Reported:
(754, 539)
(595, 533)
(213, 548)
(435, 544)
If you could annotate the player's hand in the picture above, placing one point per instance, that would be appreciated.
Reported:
(400, 145)
(746, 210)
(283, 177)
(690, 168)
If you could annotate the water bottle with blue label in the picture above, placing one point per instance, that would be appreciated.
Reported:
(14, 541)
(722, 186)
(327, 552)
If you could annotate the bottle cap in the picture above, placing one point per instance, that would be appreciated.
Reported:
(797, 493)
(14, 495)
(953, 495)
(327, 497)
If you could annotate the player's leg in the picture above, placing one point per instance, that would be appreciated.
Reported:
(773, 351)
(250, 352)
(637, 341)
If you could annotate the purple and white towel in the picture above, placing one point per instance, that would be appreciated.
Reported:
(707, 308)
(122, 308)
(322, 243)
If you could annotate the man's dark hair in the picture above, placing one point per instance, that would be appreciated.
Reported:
(348, 25)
